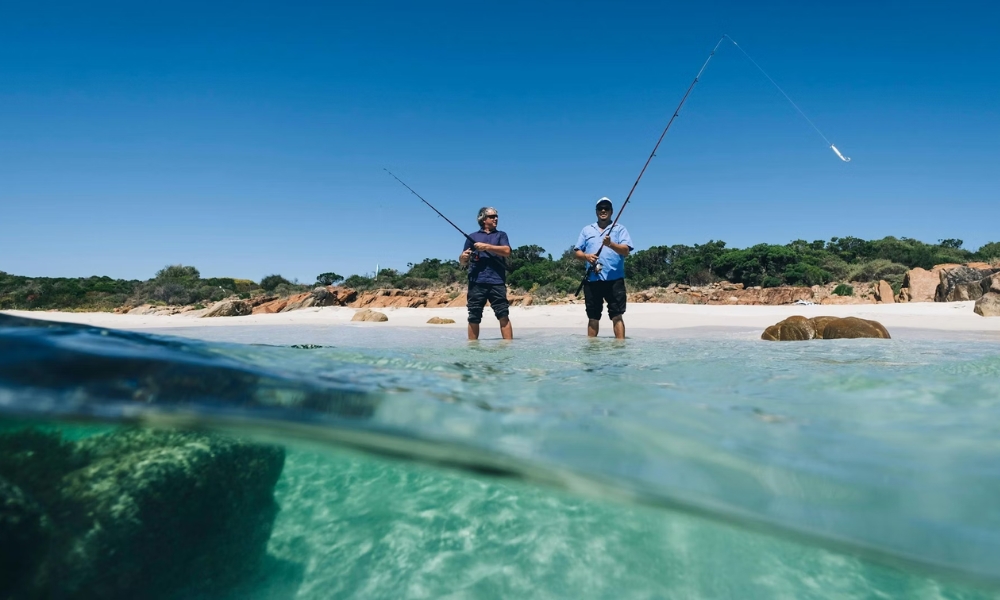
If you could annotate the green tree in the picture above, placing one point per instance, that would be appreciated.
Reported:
(989, 251)
(177, 273)
(271, 282)
(328, 279)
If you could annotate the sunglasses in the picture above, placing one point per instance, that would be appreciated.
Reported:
(491, 216)
(603, 209)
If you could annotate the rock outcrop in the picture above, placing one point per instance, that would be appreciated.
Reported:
(229, 308)
(991, 284)
(322, 296)
(440, 321)
(826, 328)
(962, 282)
(884, 293)
(134, 513)
(919, 285)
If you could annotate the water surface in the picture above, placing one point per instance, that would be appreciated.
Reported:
(680, 464)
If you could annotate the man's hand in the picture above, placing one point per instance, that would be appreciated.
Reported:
(591, 258)
(465, 256)
(482, 246)
(607, 240)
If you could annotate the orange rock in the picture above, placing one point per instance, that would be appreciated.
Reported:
(853, 327)
(883, 293)
(440, 321)
(793, 328)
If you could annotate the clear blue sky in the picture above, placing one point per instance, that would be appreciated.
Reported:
(248, 139)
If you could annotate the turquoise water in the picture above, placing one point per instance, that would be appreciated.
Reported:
(698, 463)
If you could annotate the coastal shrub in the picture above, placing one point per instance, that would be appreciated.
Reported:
(243, 286)
(752, 265)
(416, 283)
(168, 293)
(444, 272)
(359, 282)
(989, 252)
(843, 290)
(873, 270)
(805, 274)
(177, 273)
(770, 281)
(271, 282)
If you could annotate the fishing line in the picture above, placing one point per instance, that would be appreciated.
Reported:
(467, 236)
(792, 102)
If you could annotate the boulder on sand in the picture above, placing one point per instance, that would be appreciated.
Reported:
(440, 321)
(988, 305)
(367, 314)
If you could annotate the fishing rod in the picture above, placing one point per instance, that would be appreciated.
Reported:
(590, 268)
(467, 236)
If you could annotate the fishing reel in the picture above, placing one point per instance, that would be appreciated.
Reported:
(597, 268)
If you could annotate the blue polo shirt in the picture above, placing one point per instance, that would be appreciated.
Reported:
(489, 268)
(612, 264)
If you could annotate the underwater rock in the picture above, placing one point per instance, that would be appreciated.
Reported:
(824, 328)
(142, 513)
(25, 532)
(366, 314)
(988, 305)
(440, 321)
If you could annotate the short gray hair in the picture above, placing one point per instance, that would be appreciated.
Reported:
(482, 214)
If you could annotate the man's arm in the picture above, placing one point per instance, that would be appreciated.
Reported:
(621, 249)
(466, 255)
(498, 250)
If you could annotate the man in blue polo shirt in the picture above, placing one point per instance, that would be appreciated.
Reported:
(607, 269)
(486, 259)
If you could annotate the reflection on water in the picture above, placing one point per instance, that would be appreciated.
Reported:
(854, 469)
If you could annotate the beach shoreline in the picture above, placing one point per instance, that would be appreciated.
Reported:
(940, 317)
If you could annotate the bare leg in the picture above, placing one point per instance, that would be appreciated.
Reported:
(473, 331)
(619, 325)
(593, 326)
(506, 331)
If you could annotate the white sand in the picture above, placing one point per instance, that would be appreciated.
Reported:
(940, 317)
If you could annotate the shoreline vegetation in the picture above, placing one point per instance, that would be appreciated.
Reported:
(846, 270)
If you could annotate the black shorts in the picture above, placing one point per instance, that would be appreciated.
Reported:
(597, 292)
(479, 293)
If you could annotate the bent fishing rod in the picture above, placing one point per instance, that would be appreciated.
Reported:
(590, 268)
(467, 236)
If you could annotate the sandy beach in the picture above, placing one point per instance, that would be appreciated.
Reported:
(933, 317)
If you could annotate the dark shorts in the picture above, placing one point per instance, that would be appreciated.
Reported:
(479, 293)
(597, 292)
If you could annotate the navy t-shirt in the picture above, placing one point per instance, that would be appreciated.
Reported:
(489, 268)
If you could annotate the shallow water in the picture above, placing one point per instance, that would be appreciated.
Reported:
(685, 464)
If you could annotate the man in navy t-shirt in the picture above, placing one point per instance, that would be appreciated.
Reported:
(604, 249)
(486, 259)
